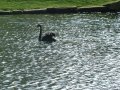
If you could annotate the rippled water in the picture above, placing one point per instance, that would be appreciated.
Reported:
(86, 55)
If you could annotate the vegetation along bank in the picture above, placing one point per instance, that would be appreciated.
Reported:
(57, 6)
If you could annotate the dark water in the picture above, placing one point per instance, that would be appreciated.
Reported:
(86, 55)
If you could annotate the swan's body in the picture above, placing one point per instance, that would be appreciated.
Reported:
(48, 37)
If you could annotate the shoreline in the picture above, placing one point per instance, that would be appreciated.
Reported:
(114, 7)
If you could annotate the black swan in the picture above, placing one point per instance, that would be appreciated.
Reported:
(48, 37)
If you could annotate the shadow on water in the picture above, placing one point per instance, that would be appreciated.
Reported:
(85, 55)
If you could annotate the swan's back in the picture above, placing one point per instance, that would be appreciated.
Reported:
(48, 37)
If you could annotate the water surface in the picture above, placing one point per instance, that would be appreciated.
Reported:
(86, 55)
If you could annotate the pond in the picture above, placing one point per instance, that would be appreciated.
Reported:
(86, 55)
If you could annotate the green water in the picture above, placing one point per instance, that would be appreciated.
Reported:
(86, 55)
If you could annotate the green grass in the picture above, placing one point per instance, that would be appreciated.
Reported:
(40, 4)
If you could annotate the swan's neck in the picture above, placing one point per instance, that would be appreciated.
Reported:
(40, 34)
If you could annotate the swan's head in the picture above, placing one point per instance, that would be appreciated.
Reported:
(39, 25)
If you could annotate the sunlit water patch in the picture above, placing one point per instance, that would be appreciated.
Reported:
(86, 55)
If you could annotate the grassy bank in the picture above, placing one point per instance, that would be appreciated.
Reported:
(40, 4)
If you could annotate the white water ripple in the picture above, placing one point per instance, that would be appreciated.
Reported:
(86, 55)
